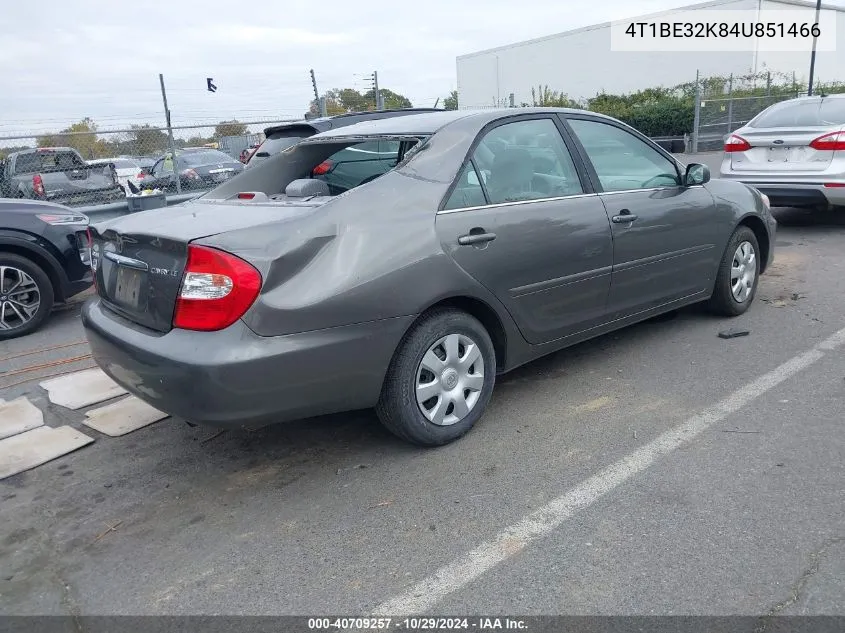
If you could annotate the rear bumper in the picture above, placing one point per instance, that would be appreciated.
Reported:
(235, 378)
(793, 194)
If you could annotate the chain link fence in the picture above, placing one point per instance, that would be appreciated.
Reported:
(91, 169)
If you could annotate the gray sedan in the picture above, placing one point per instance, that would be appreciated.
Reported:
(793, 151)
(404, 263)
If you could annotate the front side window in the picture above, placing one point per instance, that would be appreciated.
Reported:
(526, 160)
(621, 160)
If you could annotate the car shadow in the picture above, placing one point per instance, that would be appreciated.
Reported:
(811, 219)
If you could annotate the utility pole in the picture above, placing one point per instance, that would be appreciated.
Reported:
(323, 111)
(375, 90)
(170, 134)
(697, 116)
(813, 54)
(314, 85)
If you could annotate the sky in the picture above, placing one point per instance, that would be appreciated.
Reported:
(69, 59)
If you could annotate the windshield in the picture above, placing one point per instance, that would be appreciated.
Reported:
(205, 158)
(806, 113)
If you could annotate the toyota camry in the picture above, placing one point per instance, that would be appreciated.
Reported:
(404, 263)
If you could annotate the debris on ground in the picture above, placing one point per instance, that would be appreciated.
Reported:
(383, 504)
(111, 528)
(733, 333)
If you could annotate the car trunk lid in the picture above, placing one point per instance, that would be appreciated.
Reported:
(140, 259)
(782, 150)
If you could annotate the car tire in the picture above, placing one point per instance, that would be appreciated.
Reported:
(735, 287)
(15, 267)
(445, 339)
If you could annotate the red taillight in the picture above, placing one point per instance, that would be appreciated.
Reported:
(830, 142)
(38, 185)
(323, 168)
(217, 289)
(141, 175)
(246, 196)
(737, 144)
(190, 173)
(833, 185)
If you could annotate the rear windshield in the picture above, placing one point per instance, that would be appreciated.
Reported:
(807, 113)
(339, 165)
(47, 161)
(205, 158)
(279, 142)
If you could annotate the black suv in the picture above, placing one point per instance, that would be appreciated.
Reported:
(44, 259)
(280, 137)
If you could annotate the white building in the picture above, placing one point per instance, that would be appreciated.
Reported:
(582, 63)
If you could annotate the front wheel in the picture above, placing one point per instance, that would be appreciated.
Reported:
(440, 379)
(738, 274)
(26, 296)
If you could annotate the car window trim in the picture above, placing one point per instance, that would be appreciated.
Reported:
(513, 203)
(566, 117)
(515, 118)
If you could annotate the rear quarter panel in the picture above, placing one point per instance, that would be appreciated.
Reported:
(370, 254)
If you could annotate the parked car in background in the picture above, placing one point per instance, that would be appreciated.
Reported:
(270, 298)
(793, 151)
(247, 152)
(58, 174)
(197, 168)
(280, 137)
(127, 170)
(44, 259)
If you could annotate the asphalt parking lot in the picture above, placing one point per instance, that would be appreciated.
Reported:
(659, 470)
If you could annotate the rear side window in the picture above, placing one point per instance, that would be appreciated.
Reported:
(526, 160)
(468, 191)
(809, 113)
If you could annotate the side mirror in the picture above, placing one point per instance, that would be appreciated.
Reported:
(696, 174)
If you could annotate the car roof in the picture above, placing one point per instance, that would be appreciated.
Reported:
(429, 123)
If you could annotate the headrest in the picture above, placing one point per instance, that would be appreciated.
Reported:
(307, 187)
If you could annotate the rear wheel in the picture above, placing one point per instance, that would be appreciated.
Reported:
(440, 379)
(26, 296)
(738, 274)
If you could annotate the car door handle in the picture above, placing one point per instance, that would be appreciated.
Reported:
(624, 217)
(476, 238)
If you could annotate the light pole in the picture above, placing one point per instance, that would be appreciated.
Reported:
(813, 53)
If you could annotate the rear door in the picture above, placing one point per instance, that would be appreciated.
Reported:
(781, 137)
(522, 221)
(665, 242)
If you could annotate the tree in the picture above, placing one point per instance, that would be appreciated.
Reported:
(146, 139)
(343, 100)
(451, 102)
(230, 128)
(392, 100)
(5, 151)
(81, 136)
(544, 97)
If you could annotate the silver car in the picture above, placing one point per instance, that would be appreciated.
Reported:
(793, 151)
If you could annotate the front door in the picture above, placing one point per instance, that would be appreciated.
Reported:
(665, 235)
(521, 222)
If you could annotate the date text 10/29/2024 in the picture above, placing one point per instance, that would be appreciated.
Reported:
(419, 623)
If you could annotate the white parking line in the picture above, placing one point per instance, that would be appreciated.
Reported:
(424, 595)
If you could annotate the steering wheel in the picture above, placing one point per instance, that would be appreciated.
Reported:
(673, 177)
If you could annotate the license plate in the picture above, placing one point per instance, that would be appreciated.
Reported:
(128, 286)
